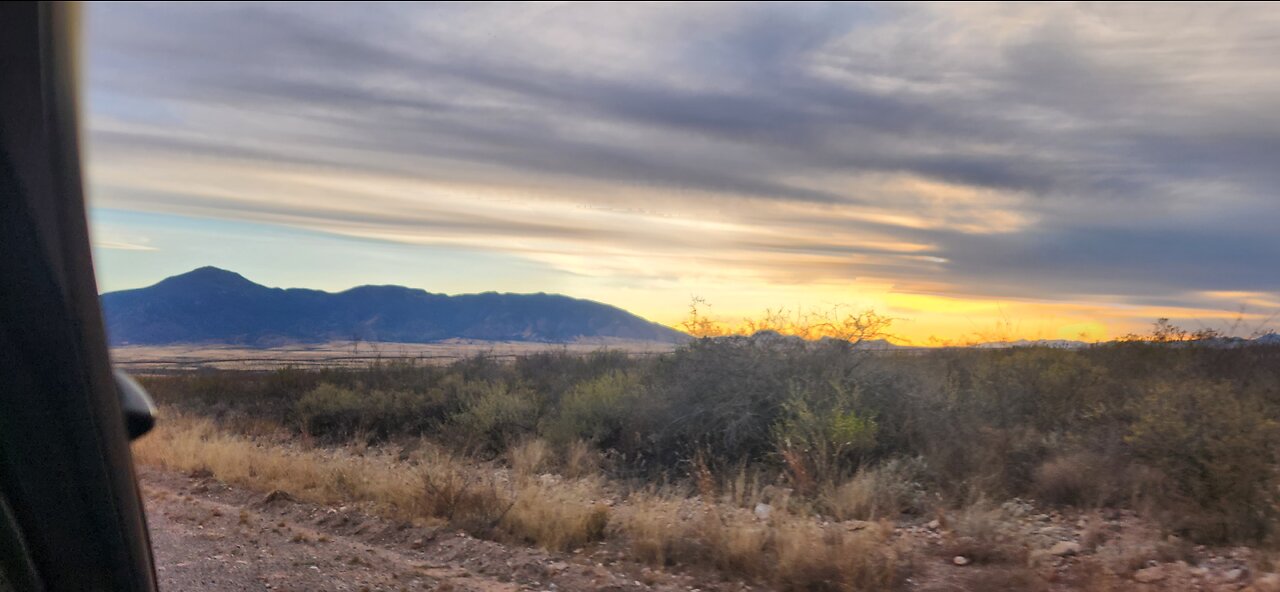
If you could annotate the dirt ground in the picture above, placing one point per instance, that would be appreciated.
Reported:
(209, 537)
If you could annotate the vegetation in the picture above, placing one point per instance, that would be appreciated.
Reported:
(813, 429)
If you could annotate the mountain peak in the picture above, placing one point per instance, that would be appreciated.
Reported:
(209, 274)
(209, 304)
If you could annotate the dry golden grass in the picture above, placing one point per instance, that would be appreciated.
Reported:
(659, 529)
(981, 533)
(884, 491)
(580, 460)
(810, 556)
(557, 516)
(190, 444)
(529, 458)
(788, 551)
(431, 485)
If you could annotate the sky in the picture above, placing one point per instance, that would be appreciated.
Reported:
(1010, 170)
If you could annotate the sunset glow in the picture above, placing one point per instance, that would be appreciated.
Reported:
(977, 171)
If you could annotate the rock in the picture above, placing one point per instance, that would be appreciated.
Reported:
(961, 560)
(1065, 549)
(763, 511)
(276, 495)
(1148, 575)
(934, 524)
(1266, 583)
(201, 474)
(1235, 575)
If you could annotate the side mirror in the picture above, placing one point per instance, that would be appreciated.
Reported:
(139, 410)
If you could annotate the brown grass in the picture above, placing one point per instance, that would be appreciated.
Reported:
(580, 460)
(884, 491)
(981, 533)
(789, 551)
(431, 485)
(1078, 479)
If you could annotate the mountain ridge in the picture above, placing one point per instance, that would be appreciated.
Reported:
(213, 305)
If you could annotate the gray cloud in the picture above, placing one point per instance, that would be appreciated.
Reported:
(1113, 150)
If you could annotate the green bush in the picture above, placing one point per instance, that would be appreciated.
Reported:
(596, 411)
(338, 412)
(1217, 447)
(495, 415)
(826, 432)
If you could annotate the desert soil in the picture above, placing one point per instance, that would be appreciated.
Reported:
(210, 537)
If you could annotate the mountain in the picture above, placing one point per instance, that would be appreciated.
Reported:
(1051, 343)
(215, 305)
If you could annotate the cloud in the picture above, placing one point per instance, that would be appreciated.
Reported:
(122, 246)
(1111, 152)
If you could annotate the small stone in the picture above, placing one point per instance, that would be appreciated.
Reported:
(1065, 549)
(1267, 583)
(276, 495)
(763, 511)
(1235, 575)
(1148, 575)
(934, 524)
(961, 560)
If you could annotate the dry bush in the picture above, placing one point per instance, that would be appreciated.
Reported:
(439, 485)
(788, 551)
(189, 444)
(1094, 534)
(810, 556)
(466, 498)
(735, 543)
(580, 460)
(557, 517)
(1077, 479)
(529, 458)
(888, 490)
(982, 533)
(1127, 556)
(658, 530)
(747, 488)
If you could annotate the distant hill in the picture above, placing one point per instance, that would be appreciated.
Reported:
(211, 305)
(1050, 343)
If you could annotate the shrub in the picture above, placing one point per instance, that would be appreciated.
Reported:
(886, 491)
(334, 411)
(830, 440)
(810, 556)
(595, 411)
(981, 533)
(580, 460)
(495, 415)
(1217, 448)
(658, 532)
(528, 458)
(461, 495)
(559, 517)
(1077, 479)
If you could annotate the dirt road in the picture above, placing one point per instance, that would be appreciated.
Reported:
(209, 537)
